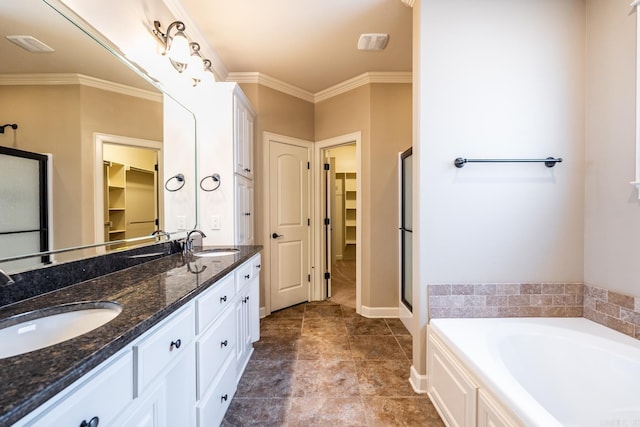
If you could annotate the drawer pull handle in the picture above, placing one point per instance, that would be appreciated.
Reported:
(93, 422)
(247, 276)
(224, 398)
(223, 299)
(177, 343)
(224, 343)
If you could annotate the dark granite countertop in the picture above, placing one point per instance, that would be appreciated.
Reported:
(148, 293)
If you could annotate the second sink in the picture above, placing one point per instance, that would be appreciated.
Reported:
(52, 325)
(216, 252)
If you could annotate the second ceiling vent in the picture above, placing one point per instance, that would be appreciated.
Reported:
(373, 41)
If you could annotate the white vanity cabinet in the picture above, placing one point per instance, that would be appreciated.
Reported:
(79, 404)
(165, 357)
(247, 310)
(244, 209)
(182, 372)
(225, 344)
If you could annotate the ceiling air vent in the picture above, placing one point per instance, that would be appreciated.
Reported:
(30, 44)
(373, 41)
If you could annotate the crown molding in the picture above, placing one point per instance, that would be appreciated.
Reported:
(56, 79)
(364, 79)
(273, 83)
(206, 50)
(346, 86)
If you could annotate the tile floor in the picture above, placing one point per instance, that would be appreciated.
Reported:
(321, 364)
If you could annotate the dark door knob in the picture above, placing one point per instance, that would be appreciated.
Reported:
(276, 235)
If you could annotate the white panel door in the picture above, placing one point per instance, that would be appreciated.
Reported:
(289, 216)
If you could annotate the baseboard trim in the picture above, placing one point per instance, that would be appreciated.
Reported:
(375, 312)
(418, 382)
(263, 312)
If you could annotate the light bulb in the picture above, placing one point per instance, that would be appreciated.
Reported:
(179, 48)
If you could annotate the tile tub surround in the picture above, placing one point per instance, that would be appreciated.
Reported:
(612, 309)
(506, 300)
(148, 293)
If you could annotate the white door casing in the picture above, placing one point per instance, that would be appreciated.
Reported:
(319, 146)
(289, 209)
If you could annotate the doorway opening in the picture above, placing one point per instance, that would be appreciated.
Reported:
(339, 217)
(128, 200)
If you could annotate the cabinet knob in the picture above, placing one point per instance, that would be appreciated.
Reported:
(224, 398)
(224, 343)
(93, 422)
(223, 299)
(247, 170)
(247, 214)
(258, 266)
(247, 276)
(175, 344)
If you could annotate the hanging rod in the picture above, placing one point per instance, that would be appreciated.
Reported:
(548, 162)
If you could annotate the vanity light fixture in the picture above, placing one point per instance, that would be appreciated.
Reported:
(184, 55)
(176, 47)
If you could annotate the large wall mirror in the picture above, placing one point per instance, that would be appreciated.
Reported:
(99, 126)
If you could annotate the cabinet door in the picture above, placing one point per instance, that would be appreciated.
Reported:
(242, 137)
(81, 404)
(244, 211)
(146, 412)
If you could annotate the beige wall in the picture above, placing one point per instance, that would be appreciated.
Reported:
(391, 133)
(115, 114)
(612, 208)
(279, 113)
(61, 120)
(48, 119)
(382, 112)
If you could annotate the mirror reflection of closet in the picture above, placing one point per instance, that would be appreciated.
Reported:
(130, 192)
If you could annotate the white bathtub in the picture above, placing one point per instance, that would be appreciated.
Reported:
(549, 371)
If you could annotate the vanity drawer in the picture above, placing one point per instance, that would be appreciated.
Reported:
(212, 302)
(214, 405)
(244, 274)
(213, 349)
(165, 344)
(114, 381)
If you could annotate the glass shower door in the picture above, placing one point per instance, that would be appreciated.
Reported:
(406, 228)
(24, 211)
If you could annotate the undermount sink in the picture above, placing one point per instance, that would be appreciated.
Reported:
(216, 252)
(52, 325)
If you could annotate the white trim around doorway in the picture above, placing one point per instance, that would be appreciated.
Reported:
(319, 292)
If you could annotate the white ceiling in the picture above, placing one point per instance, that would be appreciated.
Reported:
(309, 44)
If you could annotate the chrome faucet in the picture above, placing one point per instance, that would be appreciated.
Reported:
(5, 279)
(188, 243)
(160, 233)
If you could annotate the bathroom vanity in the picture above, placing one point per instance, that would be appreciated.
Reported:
(173, 356)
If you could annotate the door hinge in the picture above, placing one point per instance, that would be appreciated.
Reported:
(327, 221)
(155, 167)
(157, 222)
(309, 278)
(327, 166)
(308, 165)
(327, 275)
(308, 222)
